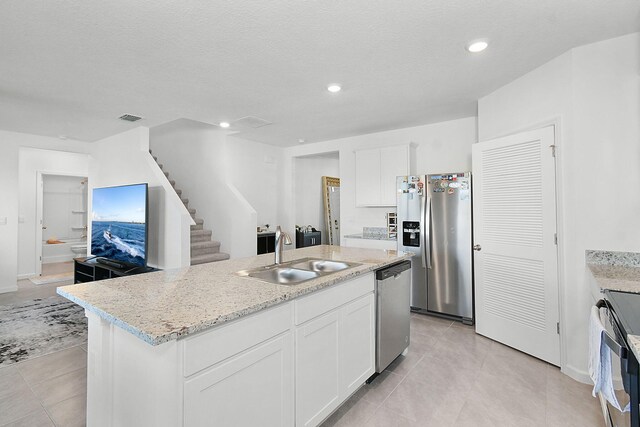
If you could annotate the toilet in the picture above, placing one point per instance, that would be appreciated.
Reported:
(80, 249)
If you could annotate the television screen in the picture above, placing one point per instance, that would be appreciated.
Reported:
(119, 224)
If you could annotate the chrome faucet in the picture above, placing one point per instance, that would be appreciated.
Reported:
(282, 239)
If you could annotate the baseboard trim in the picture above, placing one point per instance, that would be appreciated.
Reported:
(9, 289)
(577, 374)
(26, 276)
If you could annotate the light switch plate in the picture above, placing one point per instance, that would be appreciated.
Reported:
(21, 220)
(3, 220)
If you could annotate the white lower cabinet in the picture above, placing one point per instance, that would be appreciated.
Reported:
(357, 343)
(250, 389)
(317, 369)
(334, 351)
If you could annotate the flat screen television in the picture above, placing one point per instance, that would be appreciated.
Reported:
(119, 226)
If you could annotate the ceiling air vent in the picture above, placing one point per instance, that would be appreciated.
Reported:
(130, 118)
(249, 122)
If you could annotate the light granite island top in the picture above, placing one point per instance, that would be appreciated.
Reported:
(166, 305)
(617, 271)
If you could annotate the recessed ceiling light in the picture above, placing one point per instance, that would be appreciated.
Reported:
(224, 124)
(333, 88)
(477, 46)
(301, 141)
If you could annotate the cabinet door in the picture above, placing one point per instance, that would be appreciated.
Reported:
(317, 365)
(394, 161)
(368, 177)
(253, 388)
(357, 343)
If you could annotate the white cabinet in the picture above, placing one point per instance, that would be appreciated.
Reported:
(317, 360)
(376, 172)
(357, 344)
(250, 389)
(335, 350)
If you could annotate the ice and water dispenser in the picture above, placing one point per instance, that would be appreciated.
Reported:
(411, 233)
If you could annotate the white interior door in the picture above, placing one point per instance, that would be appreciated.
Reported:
(514, 206)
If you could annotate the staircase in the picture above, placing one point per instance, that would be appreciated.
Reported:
(203, 249)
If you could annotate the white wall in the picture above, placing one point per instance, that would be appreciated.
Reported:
(592, 94)
(31, 161)
(124, 159)
(9, 194)
(308, 189)
(231, 182)
(440, 147)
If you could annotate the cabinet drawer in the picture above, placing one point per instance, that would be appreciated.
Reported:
(210, 347)
(313, 305)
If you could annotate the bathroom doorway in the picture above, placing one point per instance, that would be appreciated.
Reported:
(61, 223)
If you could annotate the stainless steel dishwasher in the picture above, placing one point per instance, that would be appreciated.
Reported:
(393, 312)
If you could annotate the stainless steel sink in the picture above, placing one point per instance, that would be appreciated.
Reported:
(282, 275)
(297, 271)
(322, 266)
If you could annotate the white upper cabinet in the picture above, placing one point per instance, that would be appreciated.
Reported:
(376, 172)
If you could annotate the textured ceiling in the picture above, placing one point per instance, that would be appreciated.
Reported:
(72, 67)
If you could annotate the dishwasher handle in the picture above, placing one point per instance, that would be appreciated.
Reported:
(393, 270)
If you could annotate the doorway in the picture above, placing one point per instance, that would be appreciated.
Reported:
(309, 191)
(61, 224)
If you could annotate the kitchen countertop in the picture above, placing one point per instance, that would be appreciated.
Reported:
(616, 271)
(166, 305)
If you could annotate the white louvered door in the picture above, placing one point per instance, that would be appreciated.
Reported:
(514, 207)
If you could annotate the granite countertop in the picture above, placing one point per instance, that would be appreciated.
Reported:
(616, 271)
(167, 305)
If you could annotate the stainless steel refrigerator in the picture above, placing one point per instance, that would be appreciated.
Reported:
(434, 222)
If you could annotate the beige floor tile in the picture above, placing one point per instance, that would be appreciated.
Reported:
(403, 364)
(380, 388)
(52, 365)
(69, 413)
(383, 417)
(38, 418)
(570, 403)
(18, 402)
(10, 379)
(430, 404)
(508, 399)
(428, 325)
(354, 412)
(61, 388)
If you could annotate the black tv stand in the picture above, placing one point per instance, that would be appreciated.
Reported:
(90, 270)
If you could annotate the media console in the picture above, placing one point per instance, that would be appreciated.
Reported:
(90, 270)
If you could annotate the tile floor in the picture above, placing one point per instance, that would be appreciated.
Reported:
(450, 377)
(454, 377)
(49, 390)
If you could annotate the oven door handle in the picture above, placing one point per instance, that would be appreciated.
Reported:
(619, 349)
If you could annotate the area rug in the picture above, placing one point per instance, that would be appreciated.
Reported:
(52, 278)
(38, 327)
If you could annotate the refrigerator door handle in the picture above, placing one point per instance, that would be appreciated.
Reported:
(427, 234)
(422, 228)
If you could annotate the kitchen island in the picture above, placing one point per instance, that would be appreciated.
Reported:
(205, 346)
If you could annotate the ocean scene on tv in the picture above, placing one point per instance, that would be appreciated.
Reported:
(118, 228)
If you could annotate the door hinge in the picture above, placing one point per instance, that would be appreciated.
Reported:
(553, 150)
(558, 328)
(555, 239)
